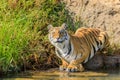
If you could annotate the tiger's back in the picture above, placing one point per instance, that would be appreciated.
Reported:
(87, 41)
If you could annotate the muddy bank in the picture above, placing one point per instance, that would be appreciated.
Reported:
(99, 65)
(99, 61)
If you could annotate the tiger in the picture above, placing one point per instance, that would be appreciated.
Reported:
(77, 49)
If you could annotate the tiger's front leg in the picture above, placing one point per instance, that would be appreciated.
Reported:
(64, 65)
(74, 67)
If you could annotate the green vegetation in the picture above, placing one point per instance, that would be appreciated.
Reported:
(23, 33)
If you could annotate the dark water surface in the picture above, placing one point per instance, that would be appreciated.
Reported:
(57, 75)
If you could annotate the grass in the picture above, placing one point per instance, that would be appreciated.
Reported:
(12, 40)
(23, 33)
(14, 36)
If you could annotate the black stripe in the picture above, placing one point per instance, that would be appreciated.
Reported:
(69, 49)
(90, 54)
(97, 43)
(60, 41)
(66, 35)
(100, 43)
(58, 52)
(94, 49)
(104, 36)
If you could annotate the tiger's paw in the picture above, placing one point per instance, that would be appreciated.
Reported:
(64, 65)
(62, 68)
(73, 68)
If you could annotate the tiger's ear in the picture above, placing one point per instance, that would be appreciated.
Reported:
(64, 26)
(49, 26)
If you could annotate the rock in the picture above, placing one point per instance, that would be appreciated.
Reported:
(103, 61)
(104, 14)
(112, 61)
(95, 63)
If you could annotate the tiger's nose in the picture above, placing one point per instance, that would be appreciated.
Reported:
(56, 36)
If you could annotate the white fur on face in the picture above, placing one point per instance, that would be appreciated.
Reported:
(60, 37)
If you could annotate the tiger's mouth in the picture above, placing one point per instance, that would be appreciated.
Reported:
(60, 40)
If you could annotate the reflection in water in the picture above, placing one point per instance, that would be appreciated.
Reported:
(56, 75)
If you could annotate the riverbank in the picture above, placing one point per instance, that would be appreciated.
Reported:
(98, 66)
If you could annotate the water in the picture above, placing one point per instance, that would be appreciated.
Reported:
(57, 75)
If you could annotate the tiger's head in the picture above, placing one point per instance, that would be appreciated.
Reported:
(58, 34)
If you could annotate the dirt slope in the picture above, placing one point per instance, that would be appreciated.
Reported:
(104, 14)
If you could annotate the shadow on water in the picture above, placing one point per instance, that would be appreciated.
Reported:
(55, 74)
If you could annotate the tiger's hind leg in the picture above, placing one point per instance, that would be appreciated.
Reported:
(73, 67)
(64, 65)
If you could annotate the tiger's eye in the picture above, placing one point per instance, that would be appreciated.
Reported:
(61, 32)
